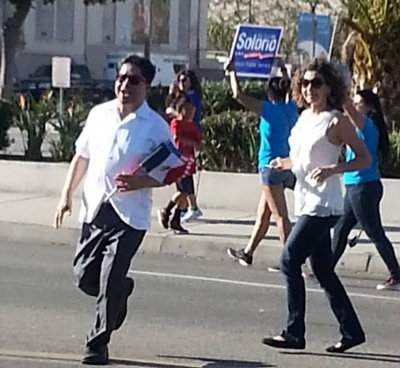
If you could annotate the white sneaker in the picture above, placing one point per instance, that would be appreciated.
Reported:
(191, 215)
(390, 284)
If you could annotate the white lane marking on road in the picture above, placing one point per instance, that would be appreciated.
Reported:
(254, 284)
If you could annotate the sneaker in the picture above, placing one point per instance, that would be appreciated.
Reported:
(275, 268)
(191, 215)
(240, 256)
(96, 356)
(390, 284)
(163, 218)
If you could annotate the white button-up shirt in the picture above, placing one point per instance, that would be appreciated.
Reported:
(114, 146)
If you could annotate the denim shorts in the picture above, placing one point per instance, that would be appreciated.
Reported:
(185, 185)
(270, 176)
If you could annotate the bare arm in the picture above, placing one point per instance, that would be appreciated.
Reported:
(343, 132)
(126, 182)
(348, 136)
(76, 172)
(251, 103)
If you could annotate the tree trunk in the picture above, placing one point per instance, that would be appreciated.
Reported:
(12, 28)
(2, 62)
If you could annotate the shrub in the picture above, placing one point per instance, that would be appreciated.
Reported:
(391, 167)
(31, 118)
(6, 114)
(68, 126)
(230, 142)
(217, 97)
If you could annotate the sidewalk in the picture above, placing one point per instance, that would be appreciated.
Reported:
(26, 217)
(29, 193)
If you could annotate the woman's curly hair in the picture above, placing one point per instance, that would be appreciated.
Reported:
(332, 78)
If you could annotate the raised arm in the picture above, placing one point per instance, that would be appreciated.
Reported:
(249, 102)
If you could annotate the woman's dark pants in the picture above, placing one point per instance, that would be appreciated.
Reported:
(310, 237)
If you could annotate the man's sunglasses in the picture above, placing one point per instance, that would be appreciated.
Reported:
(315, 83)
(134, 80)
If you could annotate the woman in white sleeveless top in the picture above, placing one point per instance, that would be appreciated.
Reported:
(315, 143)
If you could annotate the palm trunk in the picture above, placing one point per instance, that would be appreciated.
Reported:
(12, 29)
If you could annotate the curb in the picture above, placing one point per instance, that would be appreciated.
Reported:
(205, 247)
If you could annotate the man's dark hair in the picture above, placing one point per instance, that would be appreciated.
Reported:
(147, 69)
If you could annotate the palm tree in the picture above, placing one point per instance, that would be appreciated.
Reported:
(372, 50)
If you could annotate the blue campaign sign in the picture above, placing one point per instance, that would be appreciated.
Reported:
(314, 43)
(254, 49)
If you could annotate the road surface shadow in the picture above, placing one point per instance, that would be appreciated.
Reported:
(134, 363)
(221, 363)
(374, 357)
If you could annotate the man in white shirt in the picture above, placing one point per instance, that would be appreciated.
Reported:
(117, 136)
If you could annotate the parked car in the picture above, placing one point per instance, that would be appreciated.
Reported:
(40, 80)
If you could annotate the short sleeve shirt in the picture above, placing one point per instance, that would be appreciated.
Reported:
(276, 121)
(113, 146)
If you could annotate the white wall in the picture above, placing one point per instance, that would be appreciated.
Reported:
(54, 47)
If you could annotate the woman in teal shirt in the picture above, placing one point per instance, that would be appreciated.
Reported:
(364, 189)
(277, 117)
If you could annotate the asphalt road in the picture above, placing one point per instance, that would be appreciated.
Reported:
(185, 312)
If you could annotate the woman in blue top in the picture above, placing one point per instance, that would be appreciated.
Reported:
(364, 188)
(277, 117)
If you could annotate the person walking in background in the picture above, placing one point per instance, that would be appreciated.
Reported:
(315, 144)
(277, 118)
(117, 136)
(187, 85)
(364, 188)
(187, 137)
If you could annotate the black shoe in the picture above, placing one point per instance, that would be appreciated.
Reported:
(96, 356)
(178, 229)
(124, 308)
(275, 268)
(284, 341)
(344, 345)
(240, 256)
(163, 218)
(175, 223)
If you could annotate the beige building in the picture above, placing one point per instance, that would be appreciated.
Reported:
(88, 33)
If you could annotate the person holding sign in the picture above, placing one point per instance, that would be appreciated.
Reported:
(117, 137)
(315, 143)
(277, 118)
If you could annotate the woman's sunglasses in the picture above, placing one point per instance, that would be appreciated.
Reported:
(182, 79)
(134, 80)
(315, 83)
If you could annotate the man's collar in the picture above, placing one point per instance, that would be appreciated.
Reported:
(140, 113)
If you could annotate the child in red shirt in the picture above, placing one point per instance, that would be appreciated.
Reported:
(187, 137)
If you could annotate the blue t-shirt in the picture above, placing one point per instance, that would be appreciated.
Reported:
(369, 134)
(276, 121)
(195, 100)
